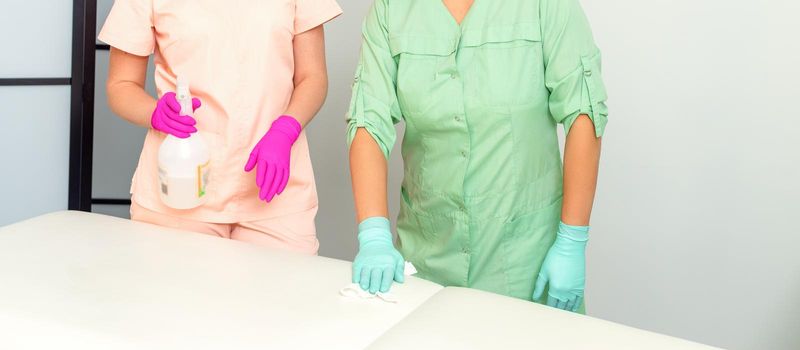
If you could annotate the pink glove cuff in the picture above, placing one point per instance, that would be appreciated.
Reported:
(287, 125)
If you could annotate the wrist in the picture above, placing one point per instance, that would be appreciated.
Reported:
(287, 126)
(375, 230)
(578, 234)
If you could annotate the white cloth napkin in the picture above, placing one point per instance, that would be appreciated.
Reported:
(353, 290)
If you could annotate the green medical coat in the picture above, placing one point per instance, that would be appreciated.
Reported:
(482, 188)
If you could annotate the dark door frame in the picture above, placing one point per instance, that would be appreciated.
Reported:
(84, 21)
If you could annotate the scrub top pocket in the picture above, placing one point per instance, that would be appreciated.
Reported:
(511, 58)
(422, 64)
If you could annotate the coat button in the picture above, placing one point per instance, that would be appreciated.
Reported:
(453, 76)
(588, 73)
(464, 154)
(458, 119)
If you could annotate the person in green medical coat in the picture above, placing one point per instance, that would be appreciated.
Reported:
(481, 86)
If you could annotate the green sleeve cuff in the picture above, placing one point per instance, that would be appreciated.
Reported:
(581, 93)
(380, 138)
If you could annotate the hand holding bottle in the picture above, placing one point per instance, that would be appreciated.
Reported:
(167, 117)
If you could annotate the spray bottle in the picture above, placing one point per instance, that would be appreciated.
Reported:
(183, 164)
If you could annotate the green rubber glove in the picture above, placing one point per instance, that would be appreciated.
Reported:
(378, 263)
(564, 269)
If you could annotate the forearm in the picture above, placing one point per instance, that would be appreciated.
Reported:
(310, 76)
(581, 163)
(307, 99)
(125, 88)
(131, 102)
(368, 171)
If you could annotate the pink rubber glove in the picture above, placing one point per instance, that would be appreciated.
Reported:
(272, 155)
(167, 119)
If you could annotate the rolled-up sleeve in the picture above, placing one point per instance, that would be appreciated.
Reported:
(129, 27)
(374, 105)
(572, 65)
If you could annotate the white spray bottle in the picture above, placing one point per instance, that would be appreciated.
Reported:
(183, 164)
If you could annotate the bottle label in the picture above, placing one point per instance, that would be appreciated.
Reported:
(202, 178)
(162, 179)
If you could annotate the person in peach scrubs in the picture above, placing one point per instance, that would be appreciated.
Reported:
(258, 72)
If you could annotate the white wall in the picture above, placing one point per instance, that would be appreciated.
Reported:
(693, 231)
(694, 228)
(34, 120)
